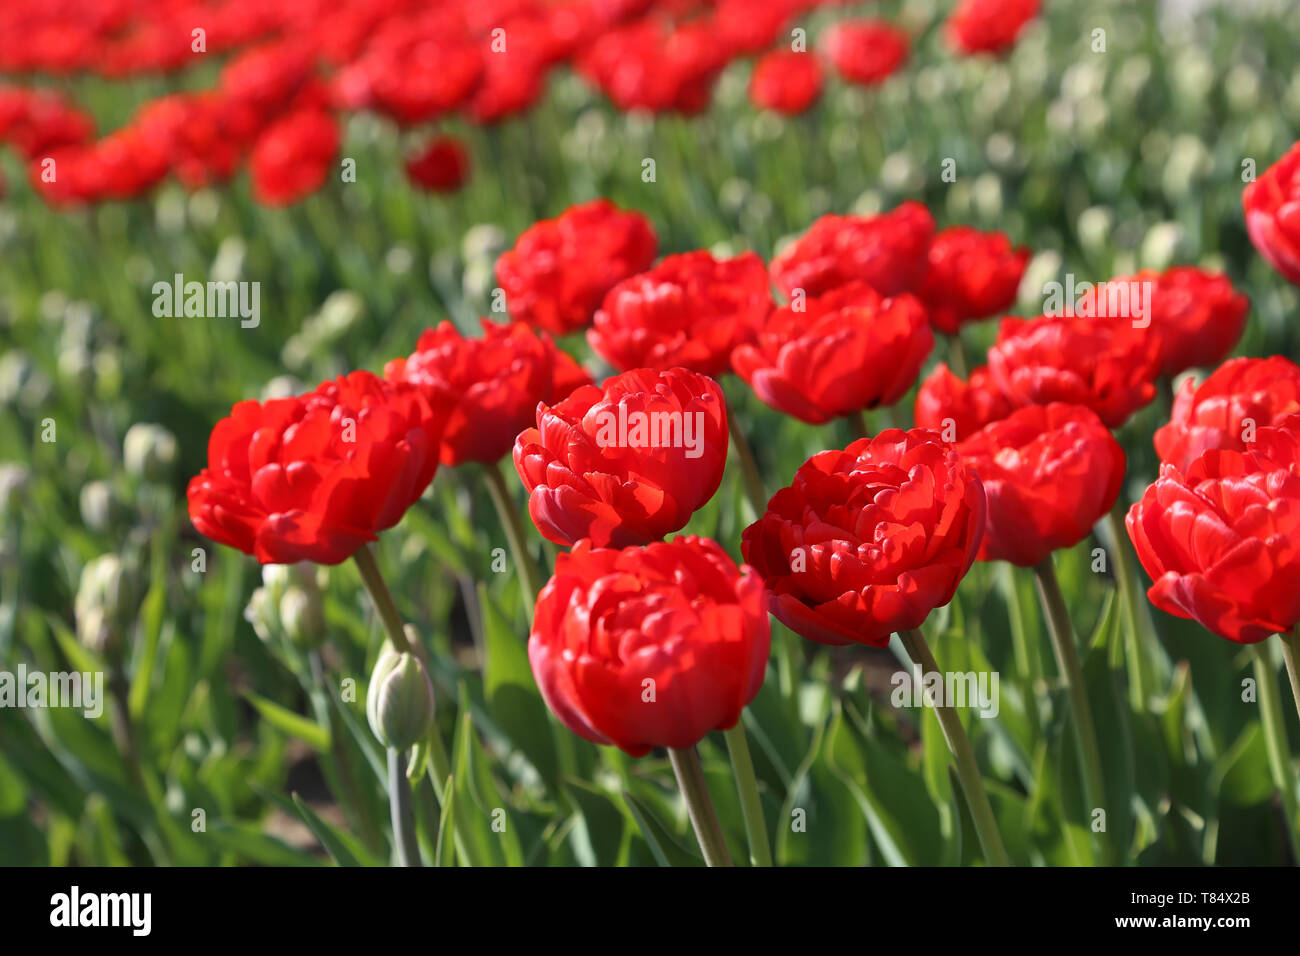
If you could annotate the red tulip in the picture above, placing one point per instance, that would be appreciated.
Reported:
(1222, 541)
(293, 157)
(494, 384)
(1228, 408)
(1272, 205)
(958, 409)
(1049, 472)
(1196, 317)
(988, 26)
(691, 310)
(441, 166)
(866, 52)
(649, 647)
(560, 269)
(970, 275)
(626, 463)
(315, 477)
(849, 350)
(786, 81)
(1105, 366)
(868, 541)
(888, 252)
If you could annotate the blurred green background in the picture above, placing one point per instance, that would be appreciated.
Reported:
(1101, 162)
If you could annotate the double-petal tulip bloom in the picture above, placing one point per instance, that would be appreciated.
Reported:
(649, 647)
(958, 409)
(848, 350)
(1196, 316)
(560, 269)
(1050, 472)
(494, 383)
(988, 26)
(786, 81)
(869, 540)
(1222, 540)
(866, 51)
(970, 275)
(690, 311)
(1104, 365)
(1272, 206)
(441, 166)
(887, 251)
(626, 463)
(314, 478)
(1228, 408)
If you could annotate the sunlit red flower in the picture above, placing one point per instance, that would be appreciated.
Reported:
(970, 275)
(625, 463)
(866, 51)
(677, 617)
(1222, 540)
(786, 81)
(1272, 205)
(560, 269)
(315, 477)
(868, 541)
(690, 310)
(1228, 408)
(1050, 472)
(988, 26)
(1109, 367)
(442, 165)
(958, 409)
(887, 251)
(493, 384)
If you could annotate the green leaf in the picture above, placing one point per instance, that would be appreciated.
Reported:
(283, 719)
(667, 851)
(511, 692)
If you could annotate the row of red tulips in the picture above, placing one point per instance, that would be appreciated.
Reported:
(865, 542)
(299, 66)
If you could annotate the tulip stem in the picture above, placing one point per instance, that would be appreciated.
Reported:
(383, 599)
(957, 356)
(859, 420)
(748, 468)
(1290, 654)
(1279, 760)
(1067, 659)
(690, 778)
(529, 576)
(399, 799)
(968, 771)
(1126, 577)
(751, 807)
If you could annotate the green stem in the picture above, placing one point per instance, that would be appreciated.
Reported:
(399, 797)
(1279, 761)
(751, 807)
(968, 772)
(1290, 654)
(859, 420)
(1126, 577)
(957, 356)
(529, 576)
(690, 778)
(1067, 659)
(382, 598)
(748, 468)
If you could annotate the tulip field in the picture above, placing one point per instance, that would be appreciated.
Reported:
(649, 433)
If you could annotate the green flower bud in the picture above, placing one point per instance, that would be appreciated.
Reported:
(100, 507)
(104, 603)
(399, 702)
(302, 616)
(149, 451)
